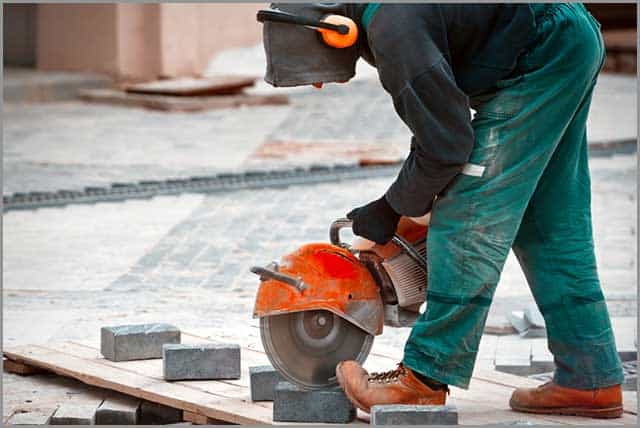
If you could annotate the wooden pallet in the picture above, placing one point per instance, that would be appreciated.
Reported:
(203, 401)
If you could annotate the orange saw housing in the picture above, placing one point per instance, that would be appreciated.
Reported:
(334, 280)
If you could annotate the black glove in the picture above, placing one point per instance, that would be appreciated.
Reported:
(376, 221)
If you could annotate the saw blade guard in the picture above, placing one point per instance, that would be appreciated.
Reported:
(321, 277)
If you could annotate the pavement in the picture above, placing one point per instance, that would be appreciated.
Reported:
(68, 145)
(185, 259)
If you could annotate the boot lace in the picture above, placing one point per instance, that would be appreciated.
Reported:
(388, 376)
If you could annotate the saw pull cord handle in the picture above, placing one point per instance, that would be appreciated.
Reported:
(271, 272)
(341, 223)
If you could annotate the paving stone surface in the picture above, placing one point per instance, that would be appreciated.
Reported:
(72, 144)
(26, 85)
(201, 254)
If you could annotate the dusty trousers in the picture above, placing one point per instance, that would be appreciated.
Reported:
(530, 191)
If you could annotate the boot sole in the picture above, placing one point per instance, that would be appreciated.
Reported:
(603, 413)
(348, 393)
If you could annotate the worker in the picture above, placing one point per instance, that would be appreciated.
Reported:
(514, 175)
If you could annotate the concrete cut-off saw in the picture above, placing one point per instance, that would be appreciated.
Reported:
(324, 303)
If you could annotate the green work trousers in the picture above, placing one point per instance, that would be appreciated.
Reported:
(528, 188)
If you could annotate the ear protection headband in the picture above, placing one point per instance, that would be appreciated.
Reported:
(336, 30)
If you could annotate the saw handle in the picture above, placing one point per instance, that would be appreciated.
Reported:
(334, 231)
(341, 223)
(271, 272)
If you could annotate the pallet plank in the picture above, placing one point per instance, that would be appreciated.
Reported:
(15, 367)
(216, 406)
(485, 402)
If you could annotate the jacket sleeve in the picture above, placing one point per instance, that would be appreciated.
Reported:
(413, 68)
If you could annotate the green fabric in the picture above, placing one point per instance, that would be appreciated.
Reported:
(368, 14)
(534, 197)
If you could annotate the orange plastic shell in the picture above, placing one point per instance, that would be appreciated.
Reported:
(335, 281)
(335, 39)
(407, 229)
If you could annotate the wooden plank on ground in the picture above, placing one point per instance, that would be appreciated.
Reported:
(178, 104)
(485, 402)
(213, 405)
(190, 86)
(15, 367)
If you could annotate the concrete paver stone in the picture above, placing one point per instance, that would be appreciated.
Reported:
(402, 414)
(263, 381)
(533, 316)
(118, 410)
(158, 414)
(201, 361)
(293, 404)
(74, 414)
(518, 321)
(136, 342)
(36, 416)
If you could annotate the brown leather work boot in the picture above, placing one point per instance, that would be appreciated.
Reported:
(399, 386)
(554, 399)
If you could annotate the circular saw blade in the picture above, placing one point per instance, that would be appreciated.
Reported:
(305, 347)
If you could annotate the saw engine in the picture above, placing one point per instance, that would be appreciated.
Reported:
(324, 303)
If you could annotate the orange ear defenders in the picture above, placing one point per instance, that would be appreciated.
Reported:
(336, 30)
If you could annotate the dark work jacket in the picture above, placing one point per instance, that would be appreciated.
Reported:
(431, 58)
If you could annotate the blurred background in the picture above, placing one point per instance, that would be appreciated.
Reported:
(149, 41)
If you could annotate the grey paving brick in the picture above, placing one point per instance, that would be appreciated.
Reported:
(630, 376)
(498, 326)
(293, 404)
(630, 383)
(517, 320)
(513, 365)
(541, 365)
(534, 332)
(628, 354)
(402, 414)
(541, 358)
(74, 414)
(533, 316)
(263, 381)
(158, 414)
(136, 342)
(542, 377)
(118, 410)
(201, 361)
(32, 417)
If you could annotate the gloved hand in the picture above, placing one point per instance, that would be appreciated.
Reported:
(376, 221)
